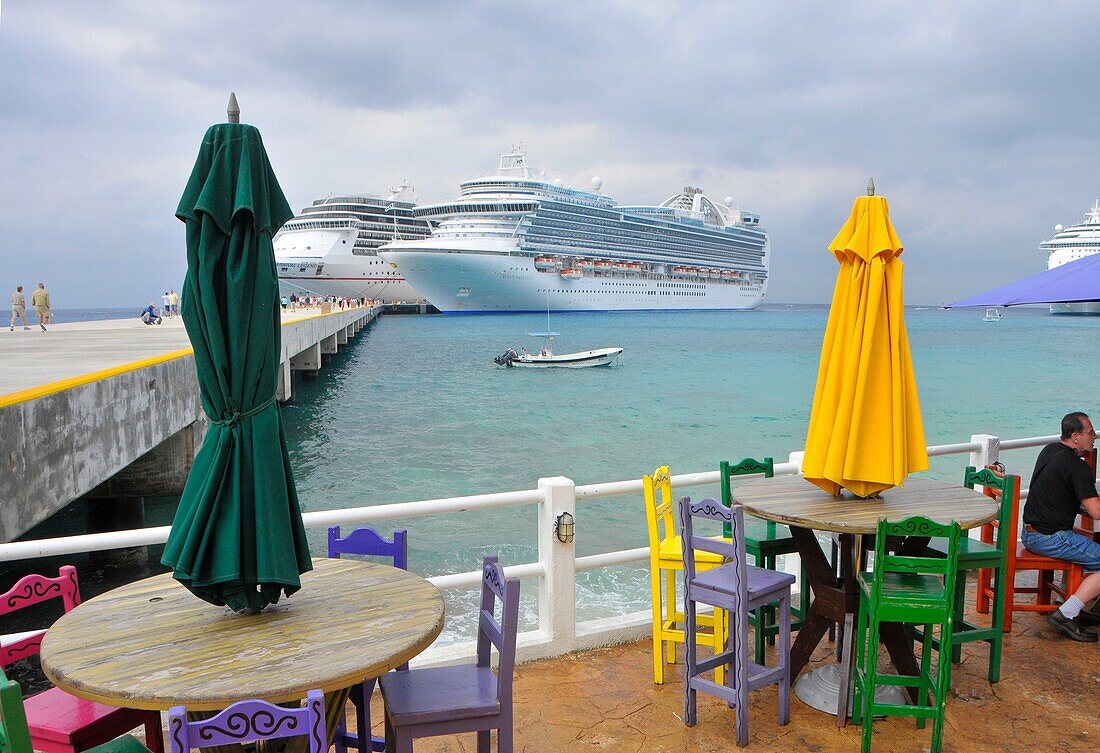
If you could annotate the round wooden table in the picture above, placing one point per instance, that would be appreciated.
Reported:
(153, 645)
(807, 508)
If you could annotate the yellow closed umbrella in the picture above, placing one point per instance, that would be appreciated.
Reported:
(866, 433)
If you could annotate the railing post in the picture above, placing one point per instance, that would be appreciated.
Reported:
(989, 450)
(557, 588)
(797, 458)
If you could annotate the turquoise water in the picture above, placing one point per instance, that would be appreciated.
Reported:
(415, 410)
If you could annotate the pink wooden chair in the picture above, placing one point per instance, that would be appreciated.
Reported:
(59, 722)
(251, 721)
(466, 698)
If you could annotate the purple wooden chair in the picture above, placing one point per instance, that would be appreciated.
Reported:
(365, 541)
(468, 698)
(248, 721)
(738, 588)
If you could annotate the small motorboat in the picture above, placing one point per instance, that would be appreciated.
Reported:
(546, 358)
(992, 315)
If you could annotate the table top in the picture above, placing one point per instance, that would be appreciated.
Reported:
(795, 501)
(153, 645)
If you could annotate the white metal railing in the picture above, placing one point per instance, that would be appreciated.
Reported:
(557, 565)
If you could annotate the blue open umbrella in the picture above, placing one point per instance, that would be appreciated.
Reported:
(1076, 282)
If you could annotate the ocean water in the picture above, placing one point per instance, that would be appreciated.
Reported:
(415, 409)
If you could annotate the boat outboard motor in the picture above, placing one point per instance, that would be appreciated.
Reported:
(506, 358)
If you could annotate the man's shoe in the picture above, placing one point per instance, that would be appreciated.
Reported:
(1072, 628)
(1089, 619)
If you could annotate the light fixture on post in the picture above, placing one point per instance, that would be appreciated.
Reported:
(563, 528)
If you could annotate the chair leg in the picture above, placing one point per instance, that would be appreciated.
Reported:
(943, 683)
(960, 611)
(871, 682)
(784, 660)
(984, 581)
(337, 739)
(996, 643)
(720, 639)
(925, 686)
(689, 661)
(658, 629)
(670, 602)
(860, 654)
(483, 741)
(505, 732)
(834, 558)
(740, 679)
(154, 735)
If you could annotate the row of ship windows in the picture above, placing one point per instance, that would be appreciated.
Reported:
(617, 217)
(682, 293)
(655, 229)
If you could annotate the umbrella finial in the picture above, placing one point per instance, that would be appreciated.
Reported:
(870, 186)
(233, 110)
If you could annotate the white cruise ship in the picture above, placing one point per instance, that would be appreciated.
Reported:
(1069, 244)
(329, 249)
(516, 242)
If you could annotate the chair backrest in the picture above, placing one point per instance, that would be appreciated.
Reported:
(1085, 524)
(367, 541)
(732, 549)
(887, 562)
(1001, 530)
(15, 736)
(657, 490)
(248, 721)
(747, 467)
(499, 634)
(34, 589)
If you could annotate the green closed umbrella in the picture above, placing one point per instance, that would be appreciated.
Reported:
(237, 537)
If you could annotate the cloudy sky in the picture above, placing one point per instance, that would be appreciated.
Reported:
(977, 119)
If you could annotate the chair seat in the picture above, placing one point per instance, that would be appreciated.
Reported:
(906, 588)
(54, 715)
(761, 580)
(1029, 560)
(671, 549)
(968, 547)
(439, 694)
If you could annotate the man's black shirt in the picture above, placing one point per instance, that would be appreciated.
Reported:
(1060, 481)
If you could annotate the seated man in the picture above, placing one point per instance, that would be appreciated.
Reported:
(1061, 486)
(149, 315)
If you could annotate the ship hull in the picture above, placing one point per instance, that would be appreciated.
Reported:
(1075, 309)
(321, 263)
(466, 281)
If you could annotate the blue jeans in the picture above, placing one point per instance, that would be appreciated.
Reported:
(1065, 545)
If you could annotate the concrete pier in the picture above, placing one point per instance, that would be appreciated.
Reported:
(111, 409)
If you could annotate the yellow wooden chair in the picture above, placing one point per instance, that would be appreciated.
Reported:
(665, 560)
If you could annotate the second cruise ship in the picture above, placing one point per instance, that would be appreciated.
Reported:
(329, 249)
(1070, 244)
(516, 242)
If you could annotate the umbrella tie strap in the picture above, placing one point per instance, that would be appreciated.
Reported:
(234, 417)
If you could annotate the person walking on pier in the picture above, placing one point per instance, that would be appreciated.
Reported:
(18, 308)
(40, 299)
(1061, 487)
(173, 302)
(166, 304)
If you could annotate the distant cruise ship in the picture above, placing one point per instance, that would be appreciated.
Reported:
(516, 242)
(1070, 243)
(329, 249)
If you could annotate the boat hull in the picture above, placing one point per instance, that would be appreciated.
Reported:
(580, 360)
(469, 281)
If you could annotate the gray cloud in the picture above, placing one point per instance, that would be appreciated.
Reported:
(977, 123)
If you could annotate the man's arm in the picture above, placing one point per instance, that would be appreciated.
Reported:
(1092, 506)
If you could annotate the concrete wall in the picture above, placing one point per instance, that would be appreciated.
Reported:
(62, 445)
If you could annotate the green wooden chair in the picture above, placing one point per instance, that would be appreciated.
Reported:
(989, 554)
(15, 736)
(912, 590)
(764, 541)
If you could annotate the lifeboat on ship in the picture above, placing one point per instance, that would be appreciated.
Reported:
(570, 273)
(602, 266)
(586, 264)
(621, 266)
(545, 262)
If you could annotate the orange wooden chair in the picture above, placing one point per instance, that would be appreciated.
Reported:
(1020, 558)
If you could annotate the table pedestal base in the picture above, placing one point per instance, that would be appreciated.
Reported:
(820, 689)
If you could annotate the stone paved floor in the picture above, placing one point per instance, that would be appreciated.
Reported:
(604, 701)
